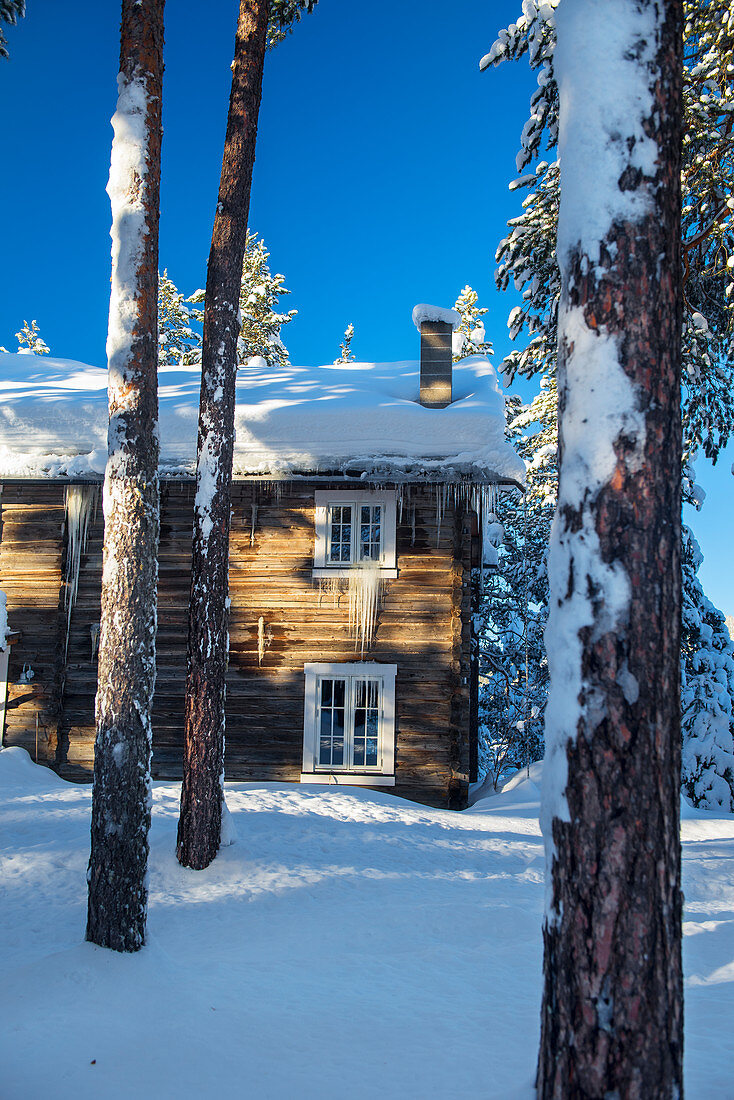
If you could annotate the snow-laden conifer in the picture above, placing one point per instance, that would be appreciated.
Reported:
(345, 347)
(179, 333)
(707, 691)
(470, 337)
(261, 320)
(30, 340)
(10, 12)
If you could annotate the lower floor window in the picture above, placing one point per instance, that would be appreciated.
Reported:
(349, 719)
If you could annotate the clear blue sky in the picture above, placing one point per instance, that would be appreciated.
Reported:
(381, 178)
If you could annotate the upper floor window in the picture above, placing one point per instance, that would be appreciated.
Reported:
(353, 528)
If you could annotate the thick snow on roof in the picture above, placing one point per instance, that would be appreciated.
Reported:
(289, 420)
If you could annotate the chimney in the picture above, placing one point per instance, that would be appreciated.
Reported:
(436, 326)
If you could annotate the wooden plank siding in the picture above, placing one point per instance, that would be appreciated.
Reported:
(424, 627)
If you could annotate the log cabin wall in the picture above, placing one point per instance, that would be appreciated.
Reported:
(32, 562)
(424, 627)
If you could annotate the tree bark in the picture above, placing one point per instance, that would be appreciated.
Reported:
(199, 826)
(612, 1014)
(117, 902)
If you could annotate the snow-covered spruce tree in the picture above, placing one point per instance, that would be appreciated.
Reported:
(470, 338)
(29, 339)
(10, 12)
(199, 828)
(260, 318)
(612, 1015)
(707, 681)
(346, 346)
(527, 259)
(118, 896)
(178, 343)
(508, 632)
(509, 622)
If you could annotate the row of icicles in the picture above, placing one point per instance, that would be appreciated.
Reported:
(364, 585)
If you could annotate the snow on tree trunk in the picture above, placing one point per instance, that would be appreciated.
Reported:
(121, 797)
(199, 826)
(612, 1007)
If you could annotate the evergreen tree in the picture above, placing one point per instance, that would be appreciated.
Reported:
(10, 12)
(29, 339)
(509, 637)
(121, 796)
(707, 681)
(178, 343)
(346, 346)
(260, 319)
(470, 338)
(284, 14)
(527, 260)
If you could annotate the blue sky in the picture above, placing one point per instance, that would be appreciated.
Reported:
(381, 178)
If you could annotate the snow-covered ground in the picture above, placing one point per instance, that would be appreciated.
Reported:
(349, 944)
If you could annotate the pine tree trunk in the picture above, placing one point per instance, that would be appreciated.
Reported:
(199, 825)
(118, 896)
(612, 1015)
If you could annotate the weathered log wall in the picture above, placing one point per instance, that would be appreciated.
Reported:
(423, 627)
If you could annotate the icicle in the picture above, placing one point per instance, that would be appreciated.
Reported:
(253, 521)
(264, 639)
(441, 499)
(364, 599)
(81, 505)
(412, 526)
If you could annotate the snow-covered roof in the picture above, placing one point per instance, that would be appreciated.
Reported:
(289, 420)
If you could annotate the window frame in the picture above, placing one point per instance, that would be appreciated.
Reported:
(383, 774)
(354, 498)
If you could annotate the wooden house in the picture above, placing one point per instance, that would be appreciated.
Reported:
(359, 498)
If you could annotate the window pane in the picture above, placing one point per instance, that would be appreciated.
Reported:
(326, 692)
(337, 750)
(371, 761)
(325, 738)
(369, 532)
(339, 521)
(339, 686)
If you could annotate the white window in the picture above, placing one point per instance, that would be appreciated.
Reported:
(353, 528)
(349, 724)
